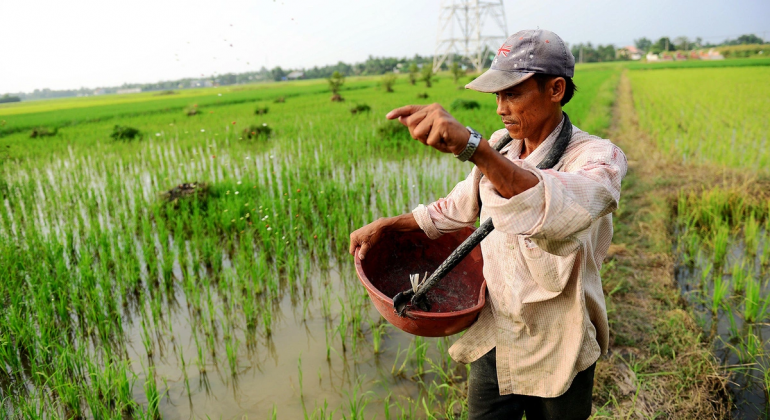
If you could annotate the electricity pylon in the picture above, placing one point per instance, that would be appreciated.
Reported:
(469, 29)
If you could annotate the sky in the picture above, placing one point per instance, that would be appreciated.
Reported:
(91, 43)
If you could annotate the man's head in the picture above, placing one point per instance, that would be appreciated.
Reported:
(531, 77)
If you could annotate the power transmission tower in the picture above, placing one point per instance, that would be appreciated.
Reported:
(469, 29)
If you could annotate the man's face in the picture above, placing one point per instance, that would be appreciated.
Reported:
(524, 108)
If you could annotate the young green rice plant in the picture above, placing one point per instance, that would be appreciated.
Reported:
(153, 396)
(342, 330)
(356, 403)
(420, 354)
(751, 231)
(184, 373)
(754, 304)
(764, 258)
(400, 370)
(231, 350)
(740, 274)
(299, 371)
(378, 330)
(267, 319)
(718, 297)
(750, 349)
(719, 241)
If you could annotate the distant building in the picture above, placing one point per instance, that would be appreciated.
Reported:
(130, 90)
(629, 52)
(711, 54)
(652, 57)
(295, 75)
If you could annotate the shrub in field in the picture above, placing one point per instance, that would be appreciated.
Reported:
(360, 108)
(336, 80)
(391, 130)
(413, 71)
(422, 95)
(280, 100)
(337, 98)
(460, 103)
(184, 190)
(124, 133)
(257, 132)
(456, 71)
(43, 132)
(191, 110)
(165, 92)
(427, 75)
(261, 110)
(388, 81)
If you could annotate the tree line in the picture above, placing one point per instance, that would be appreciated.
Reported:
(587, 53)
(583, 52)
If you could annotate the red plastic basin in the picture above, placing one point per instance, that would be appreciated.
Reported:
(455, 301)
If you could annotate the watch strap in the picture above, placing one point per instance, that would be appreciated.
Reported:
(470, 148)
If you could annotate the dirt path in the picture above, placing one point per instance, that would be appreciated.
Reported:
(658, 365)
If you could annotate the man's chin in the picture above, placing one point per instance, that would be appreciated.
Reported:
(513, 130)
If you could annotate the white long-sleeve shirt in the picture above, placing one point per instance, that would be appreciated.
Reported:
(545, 312)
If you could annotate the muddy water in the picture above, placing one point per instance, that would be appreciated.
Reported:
(268, 372)
(731, 332)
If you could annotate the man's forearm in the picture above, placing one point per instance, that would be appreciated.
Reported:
(508, 178)
(403, 223)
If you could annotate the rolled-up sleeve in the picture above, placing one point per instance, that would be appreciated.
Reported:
(562, 204)
(457, 210)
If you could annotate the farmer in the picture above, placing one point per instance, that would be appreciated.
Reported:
(535, 344)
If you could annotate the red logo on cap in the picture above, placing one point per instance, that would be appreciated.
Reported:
(504, 50)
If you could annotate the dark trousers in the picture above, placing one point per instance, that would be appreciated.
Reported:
(486, 403)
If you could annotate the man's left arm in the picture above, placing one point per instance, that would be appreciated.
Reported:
(561, 204)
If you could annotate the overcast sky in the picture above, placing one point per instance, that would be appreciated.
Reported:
(69, 44)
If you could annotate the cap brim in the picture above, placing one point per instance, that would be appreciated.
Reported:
(497, 80)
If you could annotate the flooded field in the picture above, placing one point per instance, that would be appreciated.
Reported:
(723, 269)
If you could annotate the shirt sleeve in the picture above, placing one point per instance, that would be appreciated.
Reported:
(562, 204)
(459, 209)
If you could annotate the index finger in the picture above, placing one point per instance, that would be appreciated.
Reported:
(404, 111)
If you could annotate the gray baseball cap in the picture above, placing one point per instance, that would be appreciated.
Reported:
(522, 55)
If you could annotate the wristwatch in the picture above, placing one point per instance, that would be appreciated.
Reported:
(470, 148)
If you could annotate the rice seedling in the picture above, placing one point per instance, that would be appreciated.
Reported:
(754, 305)
(751, 234)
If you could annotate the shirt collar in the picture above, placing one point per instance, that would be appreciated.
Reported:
(514, 147)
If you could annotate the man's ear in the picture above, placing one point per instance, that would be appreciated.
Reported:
(558, 87)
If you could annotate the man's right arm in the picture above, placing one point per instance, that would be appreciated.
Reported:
(370, 234)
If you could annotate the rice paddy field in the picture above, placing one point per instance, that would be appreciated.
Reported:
(717, 117)
(124, 298)
(200, 270)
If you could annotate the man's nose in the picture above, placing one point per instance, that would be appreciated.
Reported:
(500, 107)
